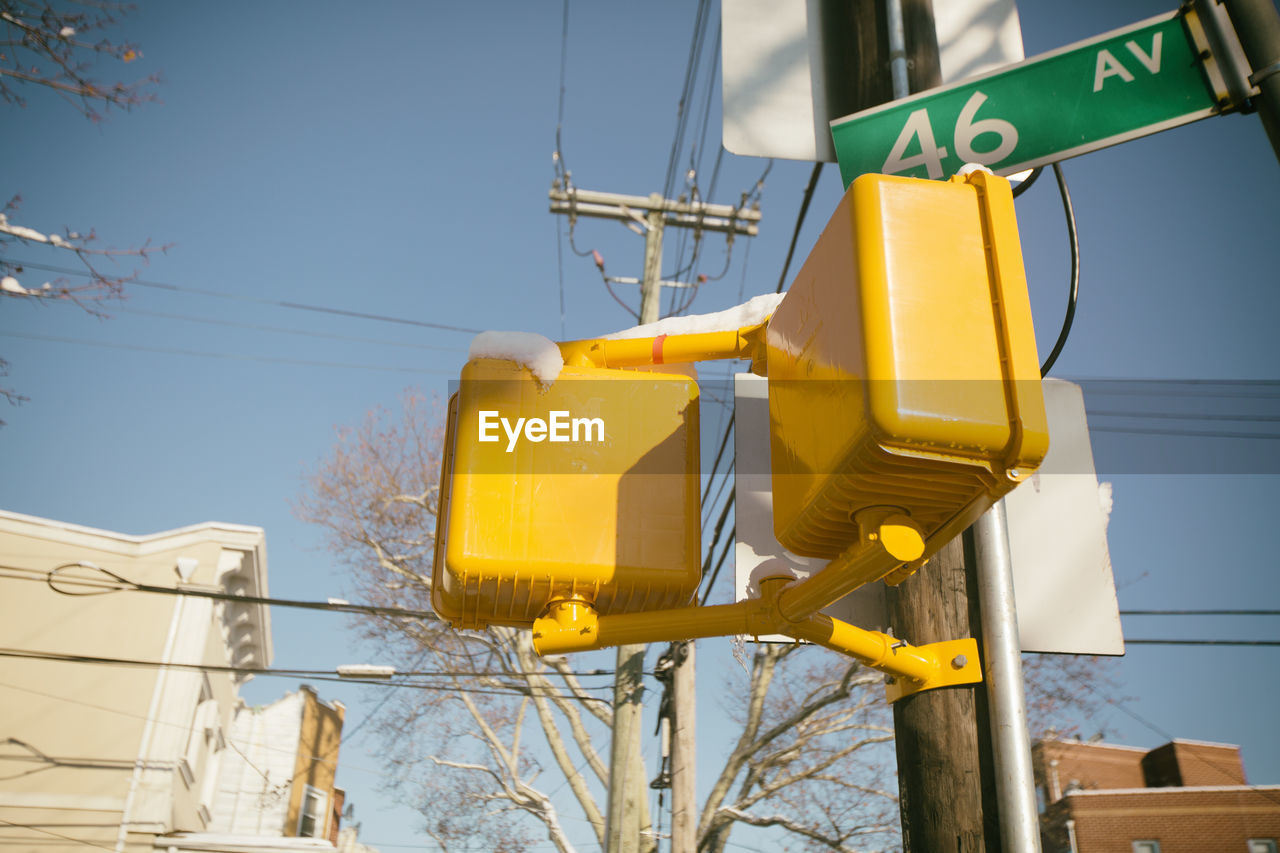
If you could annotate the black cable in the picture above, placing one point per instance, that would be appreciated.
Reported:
(1026, 185)
(300, 306)
(690, 74)
(1124, 709)
(1200, 612)
(120, 584)
(582, 253)
(230, 356)
(1186, 433)
(314, 675)
(559, 155)
(1202, 642)
(164, 315)
(724, 481)
(715, 466)
(715, 538)
(54, 834)
(1199, 388)
(715, 573)
(1179, 416)
(1074, 286)
(795, 235)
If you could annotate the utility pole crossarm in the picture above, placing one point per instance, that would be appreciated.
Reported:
(684, 214)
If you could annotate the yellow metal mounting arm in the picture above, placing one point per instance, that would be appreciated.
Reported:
(747, 342)
(785, 607)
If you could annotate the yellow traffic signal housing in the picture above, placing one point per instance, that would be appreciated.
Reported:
(593, 496)
(904, 400)
(902, 365)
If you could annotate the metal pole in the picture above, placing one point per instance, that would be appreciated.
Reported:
(1257, 24)
(897, 49)
(651, 284)
(1002, 672)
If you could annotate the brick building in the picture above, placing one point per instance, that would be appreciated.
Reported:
(1183, 797)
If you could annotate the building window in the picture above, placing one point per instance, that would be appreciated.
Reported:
(1146, 846)
(1262, 845)
(311, 817)
(204, 725)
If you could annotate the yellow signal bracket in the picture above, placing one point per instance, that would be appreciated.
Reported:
(573, 624)
(746, 342)
(957, 664)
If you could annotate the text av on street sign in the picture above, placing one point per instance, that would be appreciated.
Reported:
(1119, 86)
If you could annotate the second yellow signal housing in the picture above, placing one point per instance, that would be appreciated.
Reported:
(902, 365)
(587, 490)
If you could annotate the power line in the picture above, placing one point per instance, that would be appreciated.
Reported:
(183, 726)
(112, 582)
(1073, 282)
(682, 113)
(1202, 642)
(54, 834)
(1124, 709)
(800, 217)
(232, 356)
(1212, 388)
(1185, 416)
(297, 306)
(283, 331)
(1224, 612)
(1186, 433)
(557, 156)
(313, 674)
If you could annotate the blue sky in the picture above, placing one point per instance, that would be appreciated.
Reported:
(394, 159)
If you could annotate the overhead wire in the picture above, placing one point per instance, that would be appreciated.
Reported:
(1185, 433)
(1211, 388)
(1129, 712)
(183, 726)
(558, 156)
(112, 582)
(1184, 416)
(163, 315)
(218, 294)
(1073, 291)
(1223, 612)
(228, 356)
(1145, 642)
(801, 215)
(696, 153)
(682, 114)
(310, 674)
(54, 834)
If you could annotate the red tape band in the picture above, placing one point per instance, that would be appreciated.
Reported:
(657, 348)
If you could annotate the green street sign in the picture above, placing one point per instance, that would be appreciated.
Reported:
(1119, 86)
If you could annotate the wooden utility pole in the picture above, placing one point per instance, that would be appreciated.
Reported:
(626, 777)
(946, 776)
(653, 214)
(684, 798)
(946, 782)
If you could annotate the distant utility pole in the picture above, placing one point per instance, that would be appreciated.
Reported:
(651, 216)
